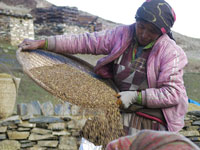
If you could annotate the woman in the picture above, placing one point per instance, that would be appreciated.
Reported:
(144, 62)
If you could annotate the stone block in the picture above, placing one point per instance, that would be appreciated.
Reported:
(36, 137)
(76, 124)
(28, 144)
(68, 143)
(45, 119)
(57, 126)
(61, 133)
(48, 143)
(3, 136)
(26, 124)
(62, 109)
(41, 131)
(47, 109)
(190, 133)
(15, 135)
(10, 120)
(75, 110)
(9, 145)
(3, 129)
(23, 129)
(22, 109)
(34, 108)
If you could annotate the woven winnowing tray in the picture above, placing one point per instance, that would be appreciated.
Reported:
(75, 80)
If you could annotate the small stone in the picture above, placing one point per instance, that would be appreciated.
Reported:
(34, 108)
(66, 118)
(62, 109)
(15, 135)
(3, 129)
(36, 137)
(75, 133)
(75, 110)
(45, 119)
(10, 121)
(13, 126)
(9, 145)
(57, 126)
(22, 109)
(47, 109)
(76, 124)
(192, 128)
(2, 136)
(29, 144)
(194, 138)
(23, 129)
(37, 147)
(41, 131)
(196, 123)
(27, 117)
(24, 141)
(59, 133)
(48, 143)
(27, 124)
(42, 125)
(189, 133)
(68, 143)
(195, 113)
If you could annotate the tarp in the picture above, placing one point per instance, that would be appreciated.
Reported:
(194, 102)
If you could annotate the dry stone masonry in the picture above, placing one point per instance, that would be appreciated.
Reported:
(192, 127)
(15, 27)
(58, 20)
(48, 21)
(42, 126)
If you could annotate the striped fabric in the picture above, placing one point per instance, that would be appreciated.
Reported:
(134, 123)
(152, 140)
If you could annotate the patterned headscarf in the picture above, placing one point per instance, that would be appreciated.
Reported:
(157, 12)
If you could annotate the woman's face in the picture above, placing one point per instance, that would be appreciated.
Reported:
(146, 33)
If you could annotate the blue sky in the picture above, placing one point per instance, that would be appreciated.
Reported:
(123, 11)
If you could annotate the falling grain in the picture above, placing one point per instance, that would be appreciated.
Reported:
(79, 88)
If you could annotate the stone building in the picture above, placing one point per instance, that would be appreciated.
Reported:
(15, 27)
(63, 20)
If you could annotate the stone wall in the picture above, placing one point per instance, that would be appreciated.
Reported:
(191, 129)
(4, 28)
(21, 29)
(58, 20)
(38, 126)
(14, 28)
(48, 21)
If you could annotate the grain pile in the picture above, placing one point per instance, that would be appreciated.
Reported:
(77, 87)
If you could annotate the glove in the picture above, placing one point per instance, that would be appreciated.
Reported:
(128, 98)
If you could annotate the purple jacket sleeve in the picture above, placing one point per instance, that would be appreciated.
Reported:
(88, 43)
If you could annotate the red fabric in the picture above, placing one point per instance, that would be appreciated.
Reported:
(150, 117)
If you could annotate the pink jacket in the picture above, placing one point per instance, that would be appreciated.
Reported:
(164, 67)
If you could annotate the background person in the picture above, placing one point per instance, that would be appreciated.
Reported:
(152, 140)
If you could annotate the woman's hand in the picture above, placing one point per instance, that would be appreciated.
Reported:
(28, 44)
(128, 98)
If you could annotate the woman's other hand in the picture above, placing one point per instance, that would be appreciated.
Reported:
(128, 98)
(28, 44)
